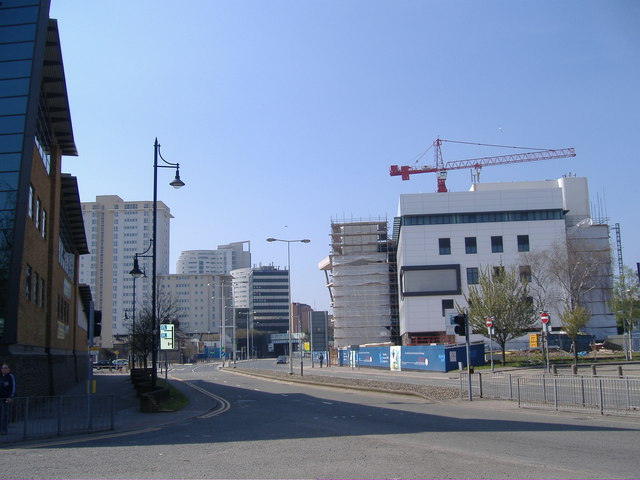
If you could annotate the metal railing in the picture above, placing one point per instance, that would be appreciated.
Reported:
(604, 394)
(41, 417)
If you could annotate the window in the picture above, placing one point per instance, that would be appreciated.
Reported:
(523, 243)
(525, 273)
(472, 276)
(31, 197)
(446, 305)
(41, 299)
(445, 246)
(36, 214)
(470, 245)
(496, 245)
(43, 224)
(28, 278)
(36, 287)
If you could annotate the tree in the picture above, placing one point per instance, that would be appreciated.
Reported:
(566, 279)
(145, 331)
(578, 270)
(625, 300)
(504, 296)
(573, 320)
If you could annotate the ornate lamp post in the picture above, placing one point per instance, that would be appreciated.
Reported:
(175, 183)
(136, 273)
(289, 242)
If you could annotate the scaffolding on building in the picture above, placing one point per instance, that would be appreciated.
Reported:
(361, 282)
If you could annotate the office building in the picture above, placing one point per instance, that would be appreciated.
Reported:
(202, 302)
(43, 326)
(220, 261)
(444, 239)
(116, 231)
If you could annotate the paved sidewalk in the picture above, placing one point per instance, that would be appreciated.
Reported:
(127, 405)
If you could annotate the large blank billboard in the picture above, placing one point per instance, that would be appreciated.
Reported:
(430, 280)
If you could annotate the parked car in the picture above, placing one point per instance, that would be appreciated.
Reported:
(281, 359)
(102, 364)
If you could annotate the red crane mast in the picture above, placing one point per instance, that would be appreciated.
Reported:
(475, 163)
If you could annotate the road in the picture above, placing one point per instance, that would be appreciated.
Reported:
(267, 429)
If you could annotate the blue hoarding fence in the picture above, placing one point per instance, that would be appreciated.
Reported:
(438, 358)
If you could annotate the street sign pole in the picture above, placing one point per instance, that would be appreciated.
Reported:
(544, 318)
(489, 321)
(466, 321)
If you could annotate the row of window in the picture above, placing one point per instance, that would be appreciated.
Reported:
(37, 212)
(486, 217)
(471, 244)
(473, 273)
(34, 286)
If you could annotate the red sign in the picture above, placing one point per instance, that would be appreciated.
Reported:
(489, 322)
(544, 317)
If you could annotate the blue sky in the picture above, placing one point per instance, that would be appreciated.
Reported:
(286, 114)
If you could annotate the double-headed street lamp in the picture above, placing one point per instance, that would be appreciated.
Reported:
(136, 273)
(289, 242)
(175, 183)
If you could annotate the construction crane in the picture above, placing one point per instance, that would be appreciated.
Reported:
(475, 163)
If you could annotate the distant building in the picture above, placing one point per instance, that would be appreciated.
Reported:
(116, 231)
(300, 314)
(444, 239)
(220, 261)
(270, 299)
(203, 301)
(360, 280)
(318, 330)
(43, 327)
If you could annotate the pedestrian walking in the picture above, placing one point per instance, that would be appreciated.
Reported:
(7, 392)
(321, 358)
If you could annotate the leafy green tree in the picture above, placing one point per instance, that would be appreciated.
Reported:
(573, 320)
(625, 300)
(504, 296)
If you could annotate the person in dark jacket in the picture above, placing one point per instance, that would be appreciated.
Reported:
(7, 392)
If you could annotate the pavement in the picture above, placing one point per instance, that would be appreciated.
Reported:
(129, 417)
(127, 404)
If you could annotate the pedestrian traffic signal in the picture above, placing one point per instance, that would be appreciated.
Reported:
(460, 322)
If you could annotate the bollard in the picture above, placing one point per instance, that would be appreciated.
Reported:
(593, 371)
(620, 370)
(574, 369)
(554, 369)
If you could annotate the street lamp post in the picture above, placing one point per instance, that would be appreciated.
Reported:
(175, 183)
(136, 273)
(289, 242)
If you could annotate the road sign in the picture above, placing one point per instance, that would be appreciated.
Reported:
(544, 317)
(533, 340)
(489, 322)
(166, 336)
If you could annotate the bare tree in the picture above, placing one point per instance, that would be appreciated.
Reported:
(145, 332)
(565, 277)
(504, 296)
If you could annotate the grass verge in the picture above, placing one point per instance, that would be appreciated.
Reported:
(176, 400)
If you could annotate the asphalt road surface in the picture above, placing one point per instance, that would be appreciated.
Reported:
(266, 429)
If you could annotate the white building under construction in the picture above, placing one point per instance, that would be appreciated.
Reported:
(359, 274)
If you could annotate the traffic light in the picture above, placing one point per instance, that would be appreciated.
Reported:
(460, 322)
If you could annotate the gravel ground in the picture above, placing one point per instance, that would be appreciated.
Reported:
(428, 392)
